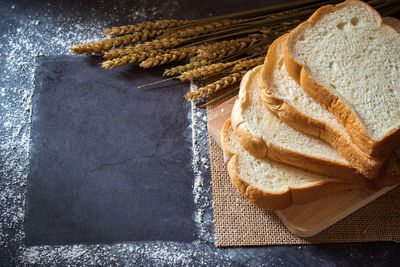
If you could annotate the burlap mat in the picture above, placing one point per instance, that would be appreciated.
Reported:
(239, 223)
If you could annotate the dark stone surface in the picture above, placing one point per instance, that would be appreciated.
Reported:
(109, 162)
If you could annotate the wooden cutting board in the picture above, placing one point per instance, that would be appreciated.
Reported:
(308, 219)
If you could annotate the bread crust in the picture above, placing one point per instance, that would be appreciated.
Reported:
(367, 166)
(281, 200)
(260, 148)
(344, 114)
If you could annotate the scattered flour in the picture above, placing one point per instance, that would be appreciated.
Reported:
(32, 36)
(201, 191)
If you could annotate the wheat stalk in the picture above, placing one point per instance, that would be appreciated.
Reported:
(149, 26)
(130, 58)
(164, 43)
(216, 86)
(119, 41)
(183, 68)
(200, 29)
(248, 64)
(169, 56)
(119, 52)
(227, 48)
(219, 97)
(259, 50)
(205, 71)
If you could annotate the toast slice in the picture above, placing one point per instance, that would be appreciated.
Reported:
(271, 185)
(285, 98)
(345, 58)
(264, 135)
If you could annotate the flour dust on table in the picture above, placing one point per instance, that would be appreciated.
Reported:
(26, 38)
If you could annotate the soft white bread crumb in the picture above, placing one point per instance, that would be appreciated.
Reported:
(285, 98)
(264, 135)
(356, 58)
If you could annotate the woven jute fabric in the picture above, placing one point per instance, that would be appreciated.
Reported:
(240, 223)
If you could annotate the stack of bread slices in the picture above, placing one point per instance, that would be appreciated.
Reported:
(322, 114)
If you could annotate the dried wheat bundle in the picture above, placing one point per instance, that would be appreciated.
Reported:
(223, 46)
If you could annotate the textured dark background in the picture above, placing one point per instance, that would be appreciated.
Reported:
(119, 13)
(108, 162)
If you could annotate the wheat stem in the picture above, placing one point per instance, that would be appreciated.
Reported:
(257, 12)
(157, 82)
(215, 99)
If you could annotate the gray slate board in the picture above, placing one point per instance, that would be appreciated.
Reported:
(109, 162)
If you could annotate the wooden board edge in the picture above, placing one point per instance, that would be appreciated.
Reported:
(301, 232)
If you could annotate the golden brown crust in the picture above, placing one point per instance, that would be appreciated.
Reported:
(370, 167)
(280, 200)
(256, 196)
(255, 145)
(360, 137)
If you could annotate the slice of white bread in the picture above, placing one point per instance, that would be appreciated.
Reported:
(285, 98)
(271, 185)
(349, 62)
(264, 135)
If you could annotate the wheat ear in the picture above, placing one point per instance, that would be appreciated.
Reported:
(216, 86)
(205, 71)
(114, 42)
(119, 52)
(150, 25)
(190, 31)
(248, 64)
(169, 56)
(130, 58)
(165, 43)
(227, 48)
(183, 68)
